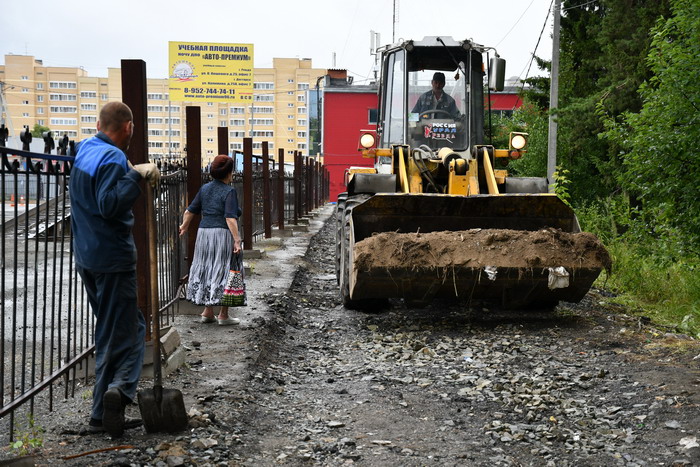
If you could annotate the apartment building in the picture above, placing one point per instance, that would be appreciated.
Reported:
(68, 101)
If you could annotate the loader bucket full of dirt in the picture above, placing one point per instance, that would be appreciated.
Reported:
(520, 250)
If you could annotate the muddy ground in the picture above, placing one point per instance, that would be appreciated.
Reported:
(303, 381)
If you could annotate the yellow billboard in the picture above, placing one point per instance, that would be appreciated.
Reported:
(202, 71)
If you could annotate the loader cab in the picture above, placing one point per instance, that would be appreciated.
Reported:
(408, 72)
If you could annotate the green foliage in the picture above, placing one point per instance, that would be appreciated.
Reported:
(28, 439)
(658, 144)
(561, 185)
(648, 273)
(38, 130)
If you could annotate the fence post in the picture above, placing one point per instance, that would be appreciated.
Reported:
(222, 140)
(134, 95)
(297, 187)
(267, 214)
(247, 193)
(309, 185)
(280, 189)
(193, 123)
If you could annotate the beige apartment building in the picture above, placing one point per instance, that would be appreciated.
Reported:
(68, 101)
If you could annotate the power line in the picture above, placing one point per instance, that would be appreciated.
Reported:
(516, 23)
(546, 19)
(582, 4)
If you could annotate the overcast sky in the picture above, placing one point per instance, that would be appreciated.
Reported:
(98, 34)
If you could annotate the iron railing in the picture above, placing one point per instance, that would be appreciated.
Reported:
(46, 326)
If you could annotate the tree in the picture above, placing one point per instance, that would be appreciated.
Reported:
(659, 143)
(38, 130)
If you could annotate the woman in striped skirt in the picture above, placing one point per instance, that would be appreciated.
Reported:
(217, 240)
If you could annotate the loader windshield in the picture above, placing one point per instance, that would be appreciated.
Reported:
(436, 104)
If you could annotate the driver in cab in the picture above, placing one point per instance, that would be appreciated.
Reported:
(436, 99)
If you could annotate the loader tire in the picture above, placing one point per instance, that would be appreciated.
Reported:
(339, 219)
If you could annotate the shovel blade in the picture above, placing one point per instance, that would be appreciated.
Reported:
(166, 415)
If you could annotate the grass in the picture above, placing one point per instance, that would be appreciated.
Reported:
(668, 294)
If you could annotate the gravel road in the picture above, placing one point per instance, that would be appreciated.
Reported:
(305, 382)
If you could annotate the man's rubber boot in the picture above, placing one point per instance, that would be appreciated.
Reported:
(113, 417)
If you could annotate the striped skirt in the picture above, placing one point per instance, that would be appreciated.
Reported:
(210, 266)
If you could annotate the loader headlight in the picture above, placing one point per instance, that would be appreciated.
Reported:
(518, 140)
(367, 140)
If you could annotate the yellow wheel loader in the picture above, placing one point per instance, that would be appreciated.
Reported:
(436, 217)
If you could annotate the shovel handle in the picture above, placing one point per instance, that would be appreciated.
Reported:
(153, 262)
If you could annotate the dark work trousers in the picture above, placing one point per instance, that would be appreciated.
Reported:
(120, 330)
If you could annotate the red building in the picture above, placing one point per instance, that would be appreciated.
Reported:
(346, 109)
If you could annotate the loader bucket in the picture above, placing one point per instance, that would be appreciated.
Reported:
(518, 249)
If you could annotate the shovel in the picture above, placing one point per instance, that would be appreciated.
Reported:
(162, 410)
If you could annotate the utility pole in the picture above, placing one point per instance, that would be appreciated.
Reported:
(553, 99)
(394, 20)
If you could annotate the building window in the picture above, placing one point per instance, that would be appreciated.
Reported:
(263, 134)
(25, 114)
(290, 93)
(222, 122)
(301, 134)
(155, 132)
(40, 110)
(88, 106)
(62, 85)
(155, 96)
(237, 146)
(69, 133)
(88, 119)
(103, 96)
(301, 98)
(172, 108)
(174, 121)
(25, 89)
(88, 131)
(172, 132)
(290, 117)
(372, 116)
(291, 104)
(40, 85)
(290, 128)
(302, 86)
(238, 122)
(290, 140)
(155, 120)
(222, 111)
(210, 115)
(210, 128)
(290, 81)
(25, 78)
(237, 110)
(237, 134)
(25, 102)
(263, 110)
(63, 97)
(290, 152)
(154, 108)
(301, 145)
(264, 97)
(210, 104)
(40, 122)
(88, 94)
(40, 98)
(301, 122)
(60, 109)
(64, 121)
(155, 144)
(261, 121)
(301, 110)
(263, 85)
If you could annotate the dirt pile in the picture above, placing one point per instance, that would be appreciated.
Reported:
(477, 248)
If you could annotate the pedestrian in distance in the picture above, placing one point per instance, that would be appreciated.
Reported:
(103, 189)
(218, 240)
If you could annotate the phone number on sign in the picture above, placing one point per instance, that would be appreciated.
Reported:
(209, 91)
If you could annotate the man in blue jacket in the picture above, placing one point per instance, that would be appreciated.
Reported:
(103, 189)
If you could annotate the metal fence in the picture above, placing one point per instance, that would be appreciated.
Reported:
(46, 326)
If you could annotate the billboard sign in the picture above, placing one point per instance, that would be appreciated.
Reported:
(203, 71)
